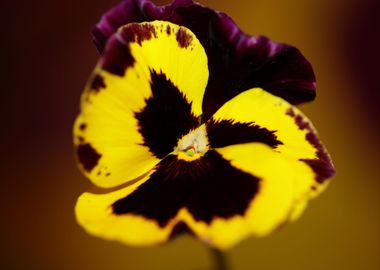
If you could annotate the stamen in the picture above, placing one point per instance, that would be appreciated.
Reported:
(190, 152)
(193, 145)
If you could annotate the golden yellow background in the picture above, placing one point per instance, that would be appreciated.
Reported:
(47, 57)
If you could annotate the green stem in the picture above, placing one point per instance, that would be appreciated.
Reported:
(220, 260)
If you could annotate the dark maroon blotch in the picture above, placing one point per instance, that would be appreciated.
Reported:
(322, 165)
(322, 168)
(227, 132)
(168, 30)
(138, 32)
(82, 126)
(208, 187)
(97, 83)
(166, 117)
(184, 39)
(117, 57)
(88, 156)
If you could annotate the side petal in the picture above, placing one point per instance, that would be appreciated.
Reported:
(271, 120)
(237, 61)
(143, 96)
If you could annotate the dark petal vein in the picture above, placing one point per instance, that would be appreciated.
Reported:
(227, 132)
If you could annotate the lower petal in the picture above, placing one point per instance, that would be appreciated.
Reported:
(220, 204)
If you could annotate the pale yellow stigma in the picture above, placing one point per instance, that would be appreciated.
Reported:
(193, 145)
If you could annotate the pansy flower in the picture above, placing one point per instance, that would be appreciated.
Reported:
(188, 126)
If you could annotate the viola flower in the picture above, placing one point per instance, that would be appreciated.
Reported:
(189, 125)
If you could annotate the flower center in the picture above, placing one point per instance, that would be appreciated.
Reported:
(193, 145)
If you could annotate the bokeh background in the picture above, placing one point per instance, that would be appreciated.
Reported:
(46, 57)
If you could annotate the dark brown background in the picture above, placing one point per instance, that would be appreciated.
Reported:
(46, 58)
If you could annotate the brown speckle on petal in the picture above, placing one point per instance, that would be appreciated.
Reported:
(322, 165)
(82, 126)
(183, 38)
(138, 32)
(88, 157)
(168, 30)
(97, 83)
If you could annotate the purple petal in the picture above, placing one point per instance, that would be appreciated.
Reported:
(129, 11)
(237, 62)
(121, 14)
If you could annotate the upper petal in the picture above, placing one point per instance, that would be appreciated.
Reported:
(236, 61)
(144, 95)
(129, 11)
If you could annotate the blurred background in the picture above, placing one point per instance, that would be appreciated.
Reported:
(46, 58)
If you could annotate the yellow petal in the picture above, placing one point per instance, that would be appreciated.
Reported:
(145, 93)
(262, 117)
(218, 211)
